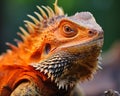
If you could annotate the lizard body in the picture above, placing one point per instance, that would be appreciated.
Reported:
(56, 53)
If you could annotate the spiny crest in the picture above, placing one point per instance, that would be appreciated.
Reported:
(46, 14)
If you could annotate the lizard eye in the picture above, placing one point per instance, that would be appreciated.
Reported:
(69, 31)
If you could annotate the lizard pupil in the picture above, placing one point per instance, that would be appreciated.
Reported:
(68, 29)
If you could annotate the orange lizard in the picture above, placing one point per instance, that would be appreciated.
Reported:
(56, 53)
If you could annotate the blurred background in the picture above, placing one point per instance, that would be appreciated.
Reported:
(106, 12)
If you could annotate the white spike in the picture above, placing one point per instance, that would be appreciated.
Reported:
(9, 51)
(49, 75)
(62, 86)
(66, 87)
(50, 66)
(100, 58)
(34, 65)
(30, 28)
(52, 12)
(21, 35)
(56, 80)
(51, 71)
(52, 78)
(41, 70)
(100, 67)
(44, 66)
(45, 71)
(99, 62)
(34, 19)
(71, 85)
(59, 86)
(55, 66)
(42, 12)
(17, 41)
(58, 10)
(48, 11)
(38, 68)
(39, 16)
(30, 23)
(24, 31)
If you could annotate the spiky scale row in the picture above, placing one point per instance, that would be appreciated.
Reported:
(50, 13)
(43, 16)
(63, 84)
(53, 68)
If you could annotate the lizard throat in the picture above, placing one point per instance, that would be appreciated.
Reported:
(68, 67)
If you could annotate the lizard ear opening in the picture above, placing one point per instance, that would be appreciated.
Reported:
(47, 48)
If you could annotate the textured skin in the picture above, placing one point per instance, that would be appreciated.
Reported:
(56, 54)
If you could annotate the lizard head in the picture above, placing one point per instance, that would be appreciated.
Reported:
(70, 46)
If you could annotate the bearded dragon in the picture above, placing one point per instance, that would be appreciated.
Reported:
(56, 52)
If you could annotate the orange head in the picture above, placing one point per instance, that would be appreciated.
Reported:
(64, 48)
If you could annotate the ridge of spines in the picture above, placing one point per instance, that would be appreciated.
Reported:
(46, 13)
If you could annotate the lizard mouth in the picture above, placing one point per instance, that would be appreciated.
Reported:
(66, 68)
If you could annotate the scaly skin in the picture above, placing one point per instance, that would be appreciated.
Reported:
(56, 54)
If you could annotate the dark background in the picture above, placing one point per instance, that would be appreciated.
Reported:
(13, 12)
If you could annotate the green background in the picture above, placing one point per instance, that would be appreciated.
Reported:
(13, 12)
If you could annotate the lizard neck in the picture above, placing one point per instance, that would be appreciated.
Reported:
(28, 51)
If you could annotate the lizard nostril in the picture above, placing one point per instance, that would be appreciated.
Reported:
(47, 48)
(92, 32)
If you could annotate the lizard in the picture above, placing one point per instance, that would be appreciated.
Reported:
(56, 53)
